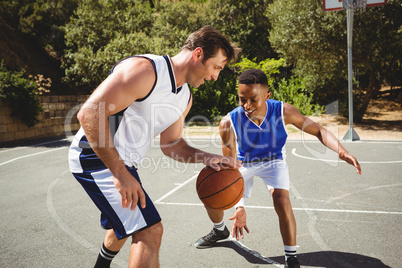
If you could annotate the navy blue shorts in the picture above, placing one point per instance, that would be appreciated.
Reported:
(125, 222)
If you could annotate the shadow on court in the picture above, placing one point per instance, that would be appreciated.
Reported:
(38, 142)
(329, 259)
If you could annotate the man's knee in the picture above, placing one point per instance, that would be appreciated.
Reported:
(157, 230)
(153, 233)
(281, 201)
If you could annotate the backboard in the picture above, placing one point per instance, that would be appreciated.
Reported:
(331, 5)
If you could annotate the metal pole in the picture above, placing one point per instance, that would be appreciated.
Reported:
(351, 135)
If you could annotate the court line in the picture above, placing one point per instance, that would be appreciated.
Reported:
(362, 190)
(29, 155)
(254, 253)
(340, 161)
(175, 189)
(295, 209)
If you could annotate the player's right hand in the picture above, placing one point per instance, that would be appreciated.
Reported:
(130, 191)
(239, 223)
(350, 159)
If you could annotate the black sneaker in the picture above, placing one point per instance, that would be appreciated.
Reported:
(292, 262)
(210, 239)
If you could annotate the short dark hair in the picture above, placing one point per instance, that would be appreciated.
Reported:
(253, 76)
(211, 40)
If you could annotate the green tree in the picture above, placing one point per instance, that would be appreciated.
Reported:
(137, 27)
(102, 32)
(314, 41)
(40, 19)
(246, 23)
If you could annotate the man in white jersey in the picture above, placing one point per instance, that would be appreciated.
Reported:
(144, 96)
(255, 133)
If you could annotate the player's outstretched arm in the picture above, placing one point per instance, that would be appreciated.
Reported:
(293, 116)
(174, 146)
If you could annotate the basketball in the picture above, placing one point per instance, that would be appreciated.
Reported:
(220, 189)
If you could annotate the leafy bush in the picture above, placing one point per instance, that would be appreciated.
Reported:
(214, 99)
(271, 67)
(20, 94)
(293, 91)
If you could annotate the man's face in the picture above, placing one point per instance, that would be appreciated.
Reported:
(252, 98)
(208, 70)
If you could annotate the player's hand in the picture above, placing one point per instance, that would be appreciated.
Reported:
(130, 191)
(350, 159)
(216, 162)
(239, 222)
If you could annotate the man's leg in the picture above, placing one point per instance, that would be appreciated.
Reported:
(111, 246)
(287, 225)
(287, 222)
(219, 231)
(145, 247)
(215, 215)
(111, 242)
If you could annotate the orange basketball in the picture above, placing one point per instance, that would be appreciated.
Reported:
(220, 189)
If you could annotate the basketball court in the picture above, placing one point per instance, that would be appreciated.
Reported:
(344, 219)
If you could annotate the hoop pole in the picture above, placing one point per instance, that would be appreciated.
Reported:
(351, 135)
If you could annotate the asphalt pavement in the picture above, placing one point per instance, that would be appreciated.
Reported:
(343, 219)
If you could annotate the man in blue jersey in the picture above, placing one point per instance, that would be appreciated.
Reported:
(255, 133)
(144, 96)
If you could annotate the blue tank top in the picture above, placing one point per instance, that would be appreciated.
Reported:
(260, 143)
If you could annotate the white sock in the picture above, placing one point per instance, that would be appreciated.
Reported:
(220, 225)
(290, 251)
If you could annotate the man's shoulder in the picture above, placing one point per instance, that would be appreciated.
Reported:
(272, 101)
(236, 110)
(225, 122)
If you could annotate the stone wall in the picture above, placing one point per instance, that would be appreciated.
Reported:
(58, 117)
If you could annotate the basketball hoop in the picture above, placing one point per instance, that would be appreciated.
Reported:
(353, 4)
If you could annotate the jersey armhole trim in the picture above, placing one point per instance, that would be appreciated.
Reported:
(153, 64)
(156, 79)
(283, 119)
(235, 134)
(189, 98)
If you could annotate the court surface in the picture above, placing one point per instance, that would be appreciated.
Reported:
(343, 219)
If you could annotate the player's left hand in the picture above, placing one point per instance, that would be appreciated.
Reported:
(216, 162)
(239, 223)
(350, 159)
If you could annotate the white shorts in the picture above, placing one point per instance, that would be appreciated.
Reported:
(274, 173)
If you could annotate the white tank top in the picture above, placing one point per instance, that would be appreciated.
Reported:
(134, 128)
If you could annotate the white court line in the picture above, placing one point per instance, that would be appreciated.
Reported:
(296, 209)
(29, 155)
(340, 161)
(175, 189)
(256, 254)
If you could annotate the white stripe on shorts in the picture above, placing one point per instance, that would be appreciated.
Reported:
(132, 220)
